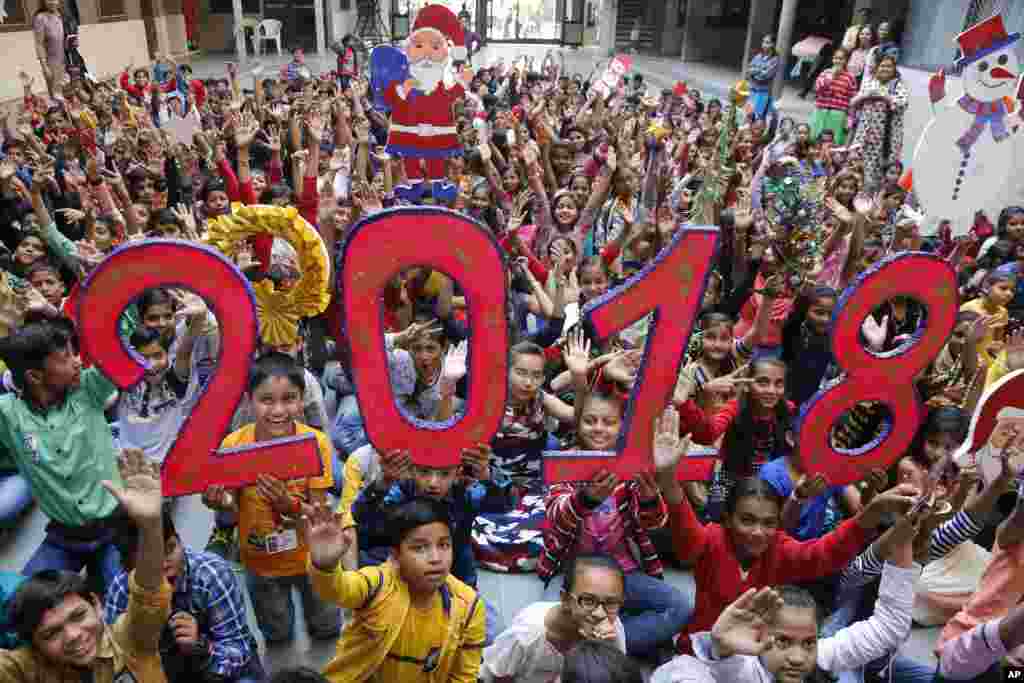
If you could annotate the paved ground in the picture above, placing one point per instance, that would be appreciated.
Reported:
(509, 592)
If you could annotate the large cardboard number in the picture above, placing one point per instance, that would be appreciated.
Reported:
(194, 463)
(671, 288)
(374, 252)
(887, 378)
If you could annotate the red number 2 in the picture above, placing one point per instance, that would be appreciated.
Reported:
(887, 378)
(376, 250)
(194, 463)
(672, 287)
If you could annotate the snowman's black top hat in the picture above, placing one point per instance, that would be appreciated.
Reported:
(983, 39)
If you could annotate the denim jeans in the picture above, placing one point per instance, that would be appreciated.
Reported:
(275, 613)
(15, 498)
(100, 557)
(903, 670)
(347, 432)
(653, 613)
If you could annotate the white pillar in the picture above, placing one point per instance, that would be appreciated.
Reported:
(318, 17)
(762, 15)
(609, 16)
(241, 54)
(784, 43)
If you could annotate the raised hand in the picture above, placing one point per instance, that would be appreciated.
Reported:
(476, 461)
(218, 498)
(429, 327)
(187, 220)
(668, 446)
(7, 170)
(395, 466)
(454, 366)
(315, 125)
(275, 493)
(810, 487)
(1015, 350)
(740, 629)
(246, 130)
(72, 216)
(875, 332)
(140, 497)
(576, 353)
(244, 257)
(325, 536)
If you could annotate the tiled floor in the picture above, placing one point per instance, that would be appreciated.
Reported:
(509, 592)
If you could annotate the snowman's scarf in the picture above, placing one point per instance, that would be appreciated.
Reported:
(985, 113)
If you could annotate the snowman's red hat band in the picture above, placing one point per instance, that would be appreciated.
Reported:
(983, 39)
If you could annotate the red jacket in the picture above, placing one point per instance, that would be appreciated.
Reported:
(787, 561)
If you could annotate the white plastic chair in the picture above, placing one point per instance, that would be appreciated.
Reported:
(268, 29)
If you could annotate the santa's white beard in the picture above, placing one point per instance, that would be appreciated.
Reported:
(428, 73)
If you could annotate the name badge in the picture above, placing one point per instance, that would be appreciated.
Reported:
(282, 542)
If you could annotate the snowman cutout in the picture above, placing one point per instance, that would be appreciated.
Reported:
(965, 155)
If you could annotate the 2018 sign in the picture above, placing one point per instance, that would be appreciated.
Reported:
(380, 247)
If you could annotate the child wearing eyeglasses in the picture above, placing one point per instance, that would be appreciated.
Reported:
(533, 648)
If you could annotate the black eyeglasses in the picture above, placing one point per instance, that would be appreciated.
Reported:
(591, 603)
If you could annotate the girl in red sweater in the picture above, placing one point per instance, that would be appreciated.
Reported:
(749, 549)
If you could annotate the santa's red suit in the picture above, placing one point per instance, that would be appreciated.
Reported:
(423, 126)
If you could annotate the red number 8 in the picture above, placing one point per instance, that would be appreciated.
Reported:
(887, 378)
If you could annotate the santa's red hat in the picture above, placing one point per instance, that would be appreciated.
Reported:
(442, 21)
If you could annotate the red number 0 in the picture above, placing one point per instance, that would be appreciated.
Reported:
(676, 281)
(887, 378)
(194, 463)
(374, 252)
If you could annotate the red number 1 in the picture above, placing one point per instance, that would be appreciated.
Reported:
(673, 288)
(194, 463)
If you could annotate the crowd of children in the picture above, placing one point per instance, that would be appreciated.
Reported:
(790, 578)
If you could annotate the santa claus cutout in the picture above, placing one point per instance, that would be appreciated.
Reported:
(418, 89)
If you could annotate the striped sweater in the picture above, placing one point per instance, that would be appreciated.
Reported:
(835, 92)
(567, 507)
(947, 536)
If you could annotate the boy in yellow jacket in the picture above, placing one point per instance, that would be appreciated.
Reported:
(411, 620)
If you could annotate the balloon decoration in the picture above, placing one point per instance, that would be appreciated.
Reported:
(194, 462)
(672, 289)
(377, 250)
(885, 378)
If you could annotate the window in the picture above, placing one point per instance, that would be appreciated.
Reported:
(17, 15)
(344, 5)
(728, 13)
(111, 9)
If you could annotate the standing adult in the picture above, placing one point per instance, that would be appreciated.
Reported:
(761, 72)
(48, 27)
(879, 108)
(833, 91)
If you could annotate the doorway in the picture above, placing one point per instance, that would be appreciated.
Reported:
(524, 21)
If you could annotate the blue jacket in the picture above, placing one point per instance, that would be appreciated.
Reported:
(465, 503)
